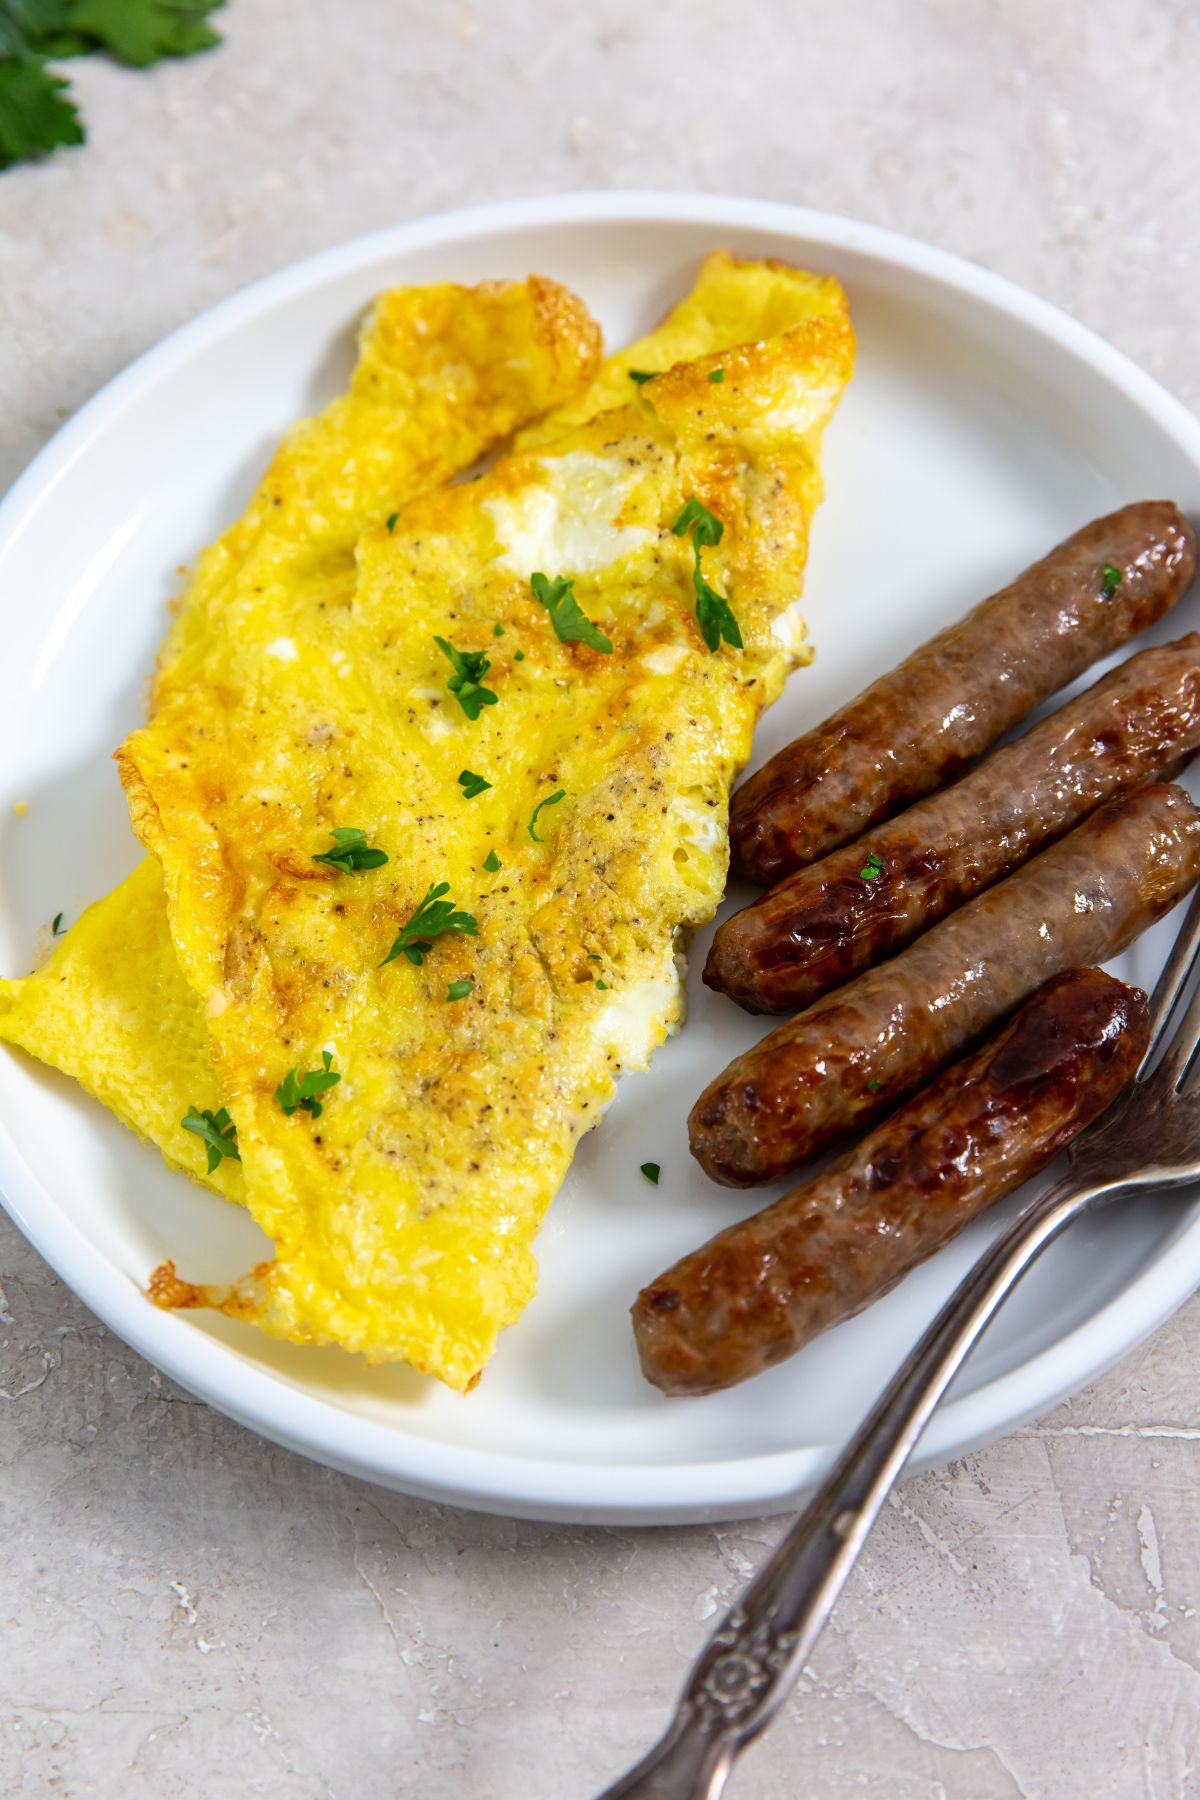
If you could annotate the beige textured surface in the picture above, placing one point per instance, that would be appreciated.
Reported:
(187, 1612)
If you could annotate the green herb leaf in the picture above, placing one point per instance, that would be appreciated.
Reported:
(391, 522)
(491, 862)
(472, 784)
(714, 615)
(458, 990)
(651, 1171)
(716, 375)
(217, 1132)
(58, 929)
(872, 869)
(571, 624)
(140, 32)
(603, 986)
(497, 629)
(36, 114)
(518, 656)
(466, 683)
(704, 526)
(642, 376)
(1112, 581)
(873, 1087)
(552, 800)
(351, 853)
(296, 1090)
(434, 916)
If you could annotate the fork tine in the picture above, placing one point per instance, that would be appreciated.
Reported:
(1170, 985)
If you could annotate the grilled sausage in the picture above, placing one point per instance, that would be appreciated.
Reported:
(822, 925)
(923, 724)
(761, 1290)
(851, 1057)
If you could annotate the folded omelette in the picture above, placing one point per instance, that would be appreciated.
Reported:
(526, 716)
(435, 826)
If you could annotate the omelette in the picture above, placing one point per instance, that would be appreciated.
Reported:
(442, 373)
(433, 852)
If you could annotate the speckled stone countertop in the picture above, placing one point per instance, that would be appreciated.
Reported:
(189, 1612)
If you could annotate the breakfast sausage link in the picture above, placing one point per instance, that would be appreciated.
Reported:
(924, 723)
(851, 1057)
(826, 923)
(761, 1290)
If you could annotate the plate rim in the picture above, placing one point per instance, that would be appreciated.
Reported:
(531, 1487)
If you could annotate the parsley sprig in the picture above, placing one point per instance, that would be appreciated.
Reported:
(571, 624)
(872, 869)
(351, 852)
(466, 683)
(1112, 581)
(37, 113)
(217, 1132)
(472, 784)
(296, 1090)
(714, 615)
(434, 916)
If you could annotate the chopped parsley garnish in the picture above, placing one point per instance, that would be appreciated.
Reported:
(302, 1090)
(872, 869)
(874, 1086)
(642, 376)
(603, 986)
(351, 852)
(434, 916)
(651, 1171)
(551, 800)
(470, 667)
(472, 784)
(216, 1130)
(1112, 581)
(714, 614)
(491, 862)
(58, 928)
(497, 629)
(593, 956)
(571, 624)
(518, 656)
(716, 375)
(458, 990)
(391, 522)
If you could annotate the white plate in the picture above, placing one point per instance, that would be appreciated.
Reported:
(981, 427)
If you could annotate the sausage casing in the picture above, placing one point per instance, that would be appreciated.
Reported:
(924, 723)
(762, 1289)
(824, 924)
(851, 1057)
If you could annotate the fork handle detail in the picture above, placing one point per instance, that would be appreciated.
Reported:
(755, 1656)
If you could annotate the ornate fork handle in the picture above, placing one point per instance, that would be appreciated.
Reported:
(755, 1656)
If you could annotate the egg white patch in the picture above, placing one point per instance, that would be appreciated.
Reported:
(665, 659)
(568, 528)
(810, 405)
(789, 629)
(638, 1018)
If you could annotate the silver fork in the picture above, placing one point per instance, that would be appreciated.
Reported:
(1148, 1138)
